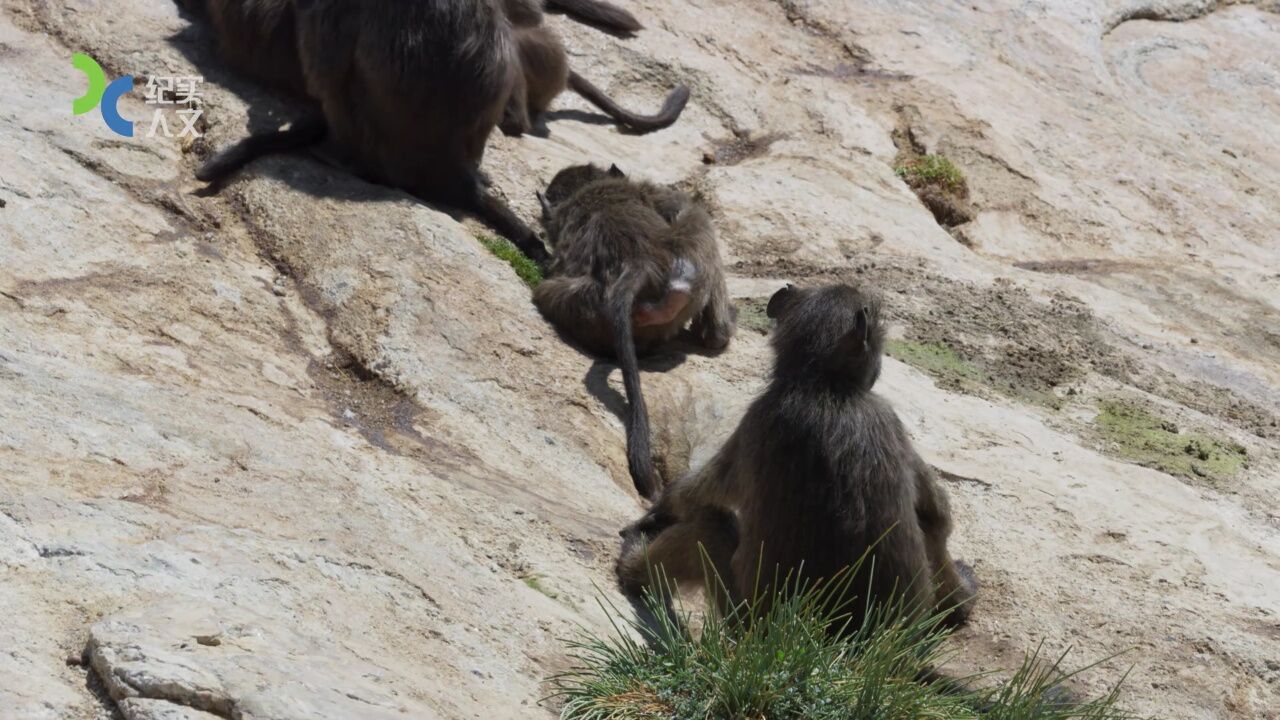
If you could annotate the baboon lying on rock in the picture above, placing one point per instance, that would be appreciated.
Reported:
(819, 471)
(633, 264)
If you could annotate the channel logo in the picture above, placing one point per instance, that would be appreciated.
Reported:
(101, 95)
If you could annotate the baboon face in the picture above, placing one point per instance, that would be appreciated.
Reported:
(831, 333)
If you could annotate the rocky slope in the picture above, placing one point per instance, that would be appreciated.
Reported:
(303, 449)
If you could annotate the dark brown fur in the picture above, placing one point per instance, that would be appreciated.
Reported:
(819, 469)
(622, 250)
(407, 92)
(545, 74)
(257, 38)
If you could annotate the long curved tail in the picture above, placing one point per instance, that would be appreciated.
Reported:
(621, 298)
(598, 14)
(303, 133)
(670, 112)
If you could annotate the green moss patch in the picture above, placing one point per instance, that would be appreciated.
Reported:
(954, 370)
(752, 316)
(1135, 434)
(505, 251)
(940, 362)
(535, 583)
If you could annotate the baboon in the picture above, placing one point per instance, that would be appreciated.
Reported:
(544, 74)
(407, 91)
(817, 472)
(633, 263)
(256, 37)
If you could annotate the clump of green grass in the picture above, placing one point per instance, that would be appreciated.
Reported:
(786, 663)
(502, 248)
(935, 170)
(1135, 434)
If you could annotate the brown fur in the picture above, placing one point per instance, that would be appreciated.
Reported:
(257, 38)
(407, 93)
(619, 245)
(817, 472)
(544, 74)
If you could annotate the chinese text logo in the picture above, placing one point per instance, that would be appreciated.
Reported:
(181, 92)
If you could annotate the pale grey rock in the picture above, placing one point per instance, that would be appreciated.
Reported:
(313, 425)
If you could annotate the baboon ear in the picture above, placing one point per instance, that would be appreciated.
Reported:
(615, 171)
(780, 301)
(858, 340)
(546, 206)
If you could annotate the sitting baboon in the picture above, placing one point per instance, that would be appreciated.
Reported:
(819, 471)
(545, 74)
(633, 263)
(407, 91)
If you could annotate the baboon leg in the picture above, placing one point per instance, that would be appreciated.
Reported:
(494, 211)
(955, 585)
(574, 303)
(515, 115)
(715, 324)
(683, 554)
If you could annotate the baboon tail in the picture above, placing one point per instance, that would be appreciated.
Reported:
(670, 112)
(303, 133)
(494, 211)
(621, 299)
(598, 14)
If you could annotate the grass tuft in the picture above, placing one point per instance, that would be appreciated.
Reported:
(785, 663)
(1135, 434)
(504, 250)
(933, 170)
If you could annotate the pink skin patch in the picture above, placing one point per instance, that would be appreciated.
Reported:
(660, 313)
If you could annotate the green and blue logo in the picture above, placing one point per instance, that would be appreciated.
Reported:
(173, 97)
(101, 95)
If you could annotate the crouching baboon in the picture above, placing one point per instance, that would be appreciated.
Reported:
(633, 263)
(817, 472)
(544, 71)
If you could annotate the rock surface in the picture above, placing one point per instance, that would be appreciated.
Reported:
(303, 449)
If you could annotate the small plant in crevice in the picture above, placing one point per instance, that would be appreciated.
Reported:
(793, 656)
(502, 248)
(939, 184)
(934, 170)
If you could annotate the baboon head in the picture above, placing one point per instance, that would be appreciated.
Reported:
(572, 179)
(830, 334)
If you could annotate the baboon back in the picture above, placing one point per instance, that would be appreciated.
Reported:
(830, 480)
(410, 88)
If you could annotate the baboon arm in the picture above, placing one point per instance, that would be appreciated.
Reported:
(717, 484)
(932, 507)
(955, 585)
